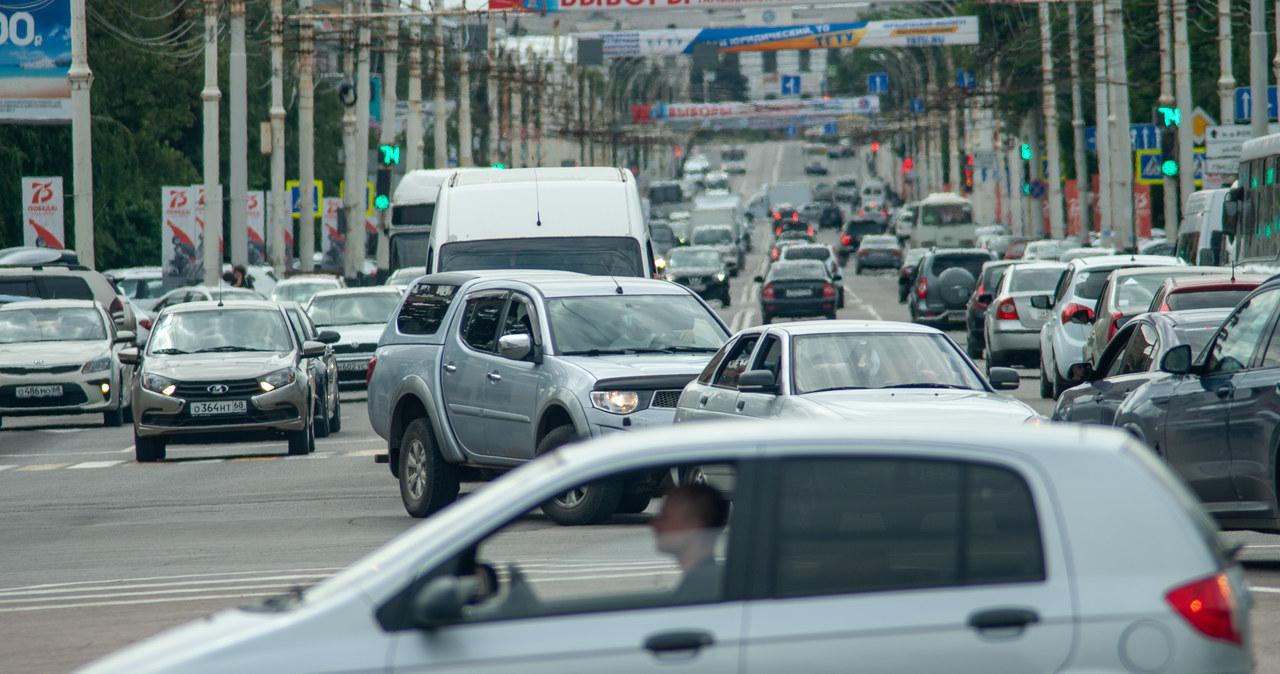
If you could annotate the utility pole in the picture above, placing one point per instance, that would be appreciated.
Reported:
(81, 78)
(1083, 188)
(1102, 135)
(239, 138)
(354, 254)
(1166, 100)
(1033, 208)
(280, 212)
(307, 206)
(350, 167)
(953, 131)
(387, 131)
(491, 62)
(439, 106)
(1050, 105)
(413, 141)
(517, 112)
(933, 128)
(1258, 67)
(1182, 89)
(1121, 150)
(212, 189)
(1226, 80)
(464, 99)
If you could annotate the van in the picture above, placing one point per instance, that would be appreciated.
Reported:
(1200, 240)
(873, 191)
(581, 219)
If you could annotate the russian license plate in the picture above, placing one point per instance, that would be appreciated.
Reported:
(1040, 314)
(354, 366)
(800, 292)
(204, 409)
(48, 391)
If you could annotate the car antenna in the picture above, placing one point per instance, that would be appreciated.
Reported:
(617, 286)
(537, 200)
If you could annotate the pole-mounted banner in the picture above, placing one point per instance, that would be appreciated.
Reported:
(864, 34)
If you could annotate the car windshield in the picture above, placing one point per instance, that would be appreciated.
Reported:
(220, 330)
(353, 309)
(694, 258)
(1206, 299)
(712, 237)
(300, 292)
(62, 324)
(1034, 280)
(408, 249)
(598, 255)
(879, 241)
(607, 324)
(805, 253)
(878, 360)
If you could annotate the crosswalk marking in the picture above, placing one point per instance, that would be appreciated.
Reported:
(95, 464)
(43, 466)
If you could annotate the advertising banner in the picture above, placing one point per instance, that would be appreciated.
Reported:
(35, 55)
(799, 110)
(257, 227)
(180, 248)
(333, 233)
(865, 34)
(43, 213)
(547, 6)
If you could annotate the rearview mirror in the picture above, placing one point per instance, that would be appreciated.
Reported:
(757, 381)
(985, 298)
(759, 279)
(128, 356)
(442, 600)
(515, 347)
(1081, 316)
(125, 337)
(1177, 360)
(328, 337)
(1230, 217)
(1003, 378)
(1041, 301)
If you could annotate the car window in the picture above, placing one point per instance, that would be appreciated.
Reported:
(520, 320)
(424, 308)
(1204, 299)
(64, 288)
(1140, 350)
(1234, 345)
(1112, 359)
(1033, 280)
(735, 363)
(971, 263)
(769, 357)
(480, 321)
(871, 524)
(1089, 284)
(709, 371)
(1064, 282)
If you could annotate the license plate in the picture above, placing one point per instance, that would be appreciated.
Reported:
(353, 366)
(50, 391)
(1040, 314)
(800, 292)
(697, 286)
(218, 407)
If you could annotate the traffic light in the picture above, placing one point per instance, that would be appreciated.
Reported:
(389, 156)
(1026, 151)
(968, 173)
(875, 146)
(1026, 169)
(1167, 120)
(677, 151)
(907, 164)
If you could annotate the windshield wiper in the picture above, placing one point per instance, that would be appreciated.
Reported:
(214, 349)
(839, 388)
(680, 349)
(598, 352)
(168, 352)
(924, 385)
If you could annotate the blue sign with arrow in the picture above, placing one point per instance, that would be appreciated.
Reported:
(790, 85)
(1244, 103)
(1141, 137)
(966, 79)
(878, 83)
(916, 105)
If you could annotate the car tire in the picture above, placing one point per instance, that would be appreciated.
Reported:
(971, 347)
(320, 420)
(831, 316)
(303, 441)
(1060, 384)
(335, 419)
(766, 319)
(634, 503)
(148, 450)
(840, 300)
(427, 482)
(1046, 388)
(590, 504)
(844, 260)
(725, 300)
(857, 269)
(113, 418)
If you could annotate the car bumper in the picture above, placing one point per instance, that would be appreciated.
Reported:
(926, 313)
(880, 261)
(805, 307)
(1011, 340)
(156, 414)
(50, 394)
(603, 423)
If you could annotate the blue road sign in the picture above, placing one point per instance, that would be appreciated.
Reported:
(1039, 188)
(1149, 167)
(1141, 137)
(966, 79)
(790, 85)
(1244, 109)
(830, 129)
(878, 83)
(792, 131)
(917, 106)
(295, 193)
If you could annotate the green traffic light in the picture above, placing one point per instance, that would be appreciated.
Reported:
(390, 154)
(1026, 189)
(1172, 116)
(498, 166)
(1169, 168)
(381, 202)
(1026, 150)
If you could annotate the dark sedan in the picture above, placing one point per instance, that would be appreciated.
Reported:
(700, 269)
(878, 251)
(797, 288)
(853, 231)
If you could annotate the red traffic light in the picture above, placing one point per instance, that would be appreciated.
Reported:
(677, 152)
(907, 164)
(875, 146)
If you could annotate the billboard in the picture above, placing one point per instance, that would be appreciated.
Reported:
(181, 249)
(865, 34)
(548, 6)
(35, 55)
(801, 112)
(257, 221)
(43, 213)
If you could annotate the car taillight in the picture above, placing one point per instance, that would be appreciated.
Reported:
(883, 212)
(368, 375)
(767, 292)
(145, 322)
(895, 251)
(778, 230)
(1071, 309)
(828, 290)
(863, 252)
(774, 254)
(1007, 311)
(811, 231)
(845, 240)
(861, 213)
(922, 288)
(1111, 331)
(1209, 606)
(795, 217)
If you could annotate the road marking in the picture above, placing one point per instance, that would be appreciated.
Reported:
(6, 467)
(43, 466)
(857, 301)
(254, 458)
(365, 452)
(1265, 590)
(95, 464)
(777, 163)
(46, 455)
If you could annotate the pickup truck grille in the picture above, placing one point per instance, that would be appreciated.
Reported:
(666, 398)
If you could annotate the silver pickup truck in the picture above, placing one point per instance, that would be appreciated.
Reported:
(478, 372)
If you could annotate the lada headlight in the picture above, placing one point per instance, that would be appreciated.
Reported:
(275, 380)
(617, 402)
(161, 385)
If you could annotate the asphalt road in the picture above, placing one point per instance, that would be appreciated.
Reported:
(97, 551)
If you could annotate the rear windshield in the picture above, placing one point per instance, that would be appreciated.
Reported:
(797, 270)
(424, 308)
(733, 155)
(992, 274)
(712, 237)
(971, 263)
(1034, 280)
(1205, 299)
(409, 249)
(879, 241)
(662, 235)
(665, 194)
(1089, 283)
(1137, 291)
(598, 255)
(805, 253)
(47, 287)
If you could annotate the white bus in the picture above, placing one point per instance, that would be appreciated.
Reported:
(944, 220)
(1253, 215)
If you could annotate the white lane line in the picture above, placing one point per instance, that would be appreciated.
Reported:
(1265, 590)
(857, 302)
(131, 602)
(267, 573)
(6, 467)
(46, 455)
(95, 464)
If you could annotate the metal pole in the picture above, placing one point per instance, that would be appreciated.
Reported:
(350, 167)
(1102, 136)
(954, 146)
(1083, 188)
(513, 110)
(495, 137)
(280, 212)
(1051, 138)
(931, 126)
(439, 107)
(388, 131)
(354, 257)
(307, 208)
(1182, 87)
(1226, 80)
(1258, 67)
(1121, 149)
(239, 138)
(464, 109)
(1034, 208)
(212, 192)
(413, 124)
(1166, 100)
(81, 78)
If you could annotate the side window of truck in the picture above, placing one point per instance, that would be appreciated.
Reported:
(424, 308)
(480, 320)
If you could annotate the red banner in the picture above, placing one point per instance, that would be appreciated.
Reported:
(1142, 208)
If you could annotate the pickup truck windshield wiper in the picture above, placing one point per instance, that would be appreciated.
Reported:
(214, 349)
(839, 388)
(598, 352)
(926, 385)
(168, 352)
(677, 348)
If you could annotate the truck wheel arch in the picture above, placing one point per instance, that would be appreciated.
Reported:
(554, 417)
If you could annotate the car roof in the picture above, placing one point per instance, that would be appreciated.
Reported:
(309, 278)
(845, 326)
(208, 305)
(1192, 283)
(1114, 261)
(1213, 316)
(965, 251)
(699, 249)
(1032, 265)
(360, 290)
(135, 273)
(1179, 270)
(541, 174)
(51, 304)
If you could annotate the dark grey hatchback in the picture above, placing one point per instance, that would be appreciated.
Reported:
(942, 284)
(797, 288)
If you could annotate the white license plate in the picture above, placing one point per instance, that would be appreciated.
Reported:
(218, 407)
(800, 292)
(353, 366)
(1040, 314)
(49, 391)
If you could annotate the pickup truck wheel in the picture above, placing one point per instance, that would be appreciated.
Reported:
(634, 503)
(427, 482)
(589, 504)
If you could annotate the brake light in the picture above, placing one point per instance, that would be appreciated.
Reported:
(1209, 606)
(774, 254)
(895, 251)
(1111, 331)
(767, 292)
(863, 252)
(145, 322)
(368, 375)
(775, 215)
(811, 231)
(795, 217)
(862, 212)
(828, 290)
(845, 240)
(778, 230)
(922, 288)
(1072, 308)
(1007, 311)
(884, 212)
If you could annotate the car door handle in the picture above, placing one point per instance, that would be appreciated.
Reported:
(741, 404)
(1224, 390)
(1002, 618)
(703, 400)
(678, 641)
(494, 376)
(450, 367)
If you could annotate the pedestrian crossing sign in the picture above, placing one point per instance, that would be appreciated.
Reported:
(1148, 163)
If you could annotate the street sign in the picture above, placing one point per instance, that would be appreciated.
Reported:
(1141, 137)
(878, 83)
(1222, 166)
(916, 106)
(1148, 163)
(790, 85)
(792, 131)
(985, 160)
(1039, 189)
(1197, 164)
(294, 193)
(966, 79)
(830, 129)
(1244, 109)
(1223, 142)
(1200, 123)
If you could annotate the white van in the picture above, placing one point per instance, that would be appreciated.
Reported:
(582, 219)
(1200, 239)
(873, 191)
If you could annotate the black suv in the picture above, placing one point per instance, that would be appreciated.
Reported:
(942, 284)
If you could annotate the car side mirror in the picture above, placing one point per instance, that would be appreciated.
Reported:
(1041, 301)
(1081, 316)
(1081, 372)
(986, 298)
(515, 347)
(759, 279)
(129, 356)
(1230, 217)
(312, 349)
(757, 381)
(1121, 320)
(441, 601)
(1177, 360)
(328, 337)
(125, 337)
(1003, 378)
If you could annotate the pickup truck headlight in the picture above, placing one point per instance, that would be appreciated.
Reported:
(161, 385)
(617, 402)
(99, 364)
(275, 380)
(720, 277)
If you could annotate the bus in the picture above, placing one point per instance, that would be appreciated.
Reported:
(944, 220)
(1253, 214)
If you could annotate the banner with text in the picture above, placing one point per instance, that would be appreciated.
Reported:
(35, 56)
(800, 110)
(866, 34)
(546, 6)
(256, 206)
(180, 247)
(43, 213)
